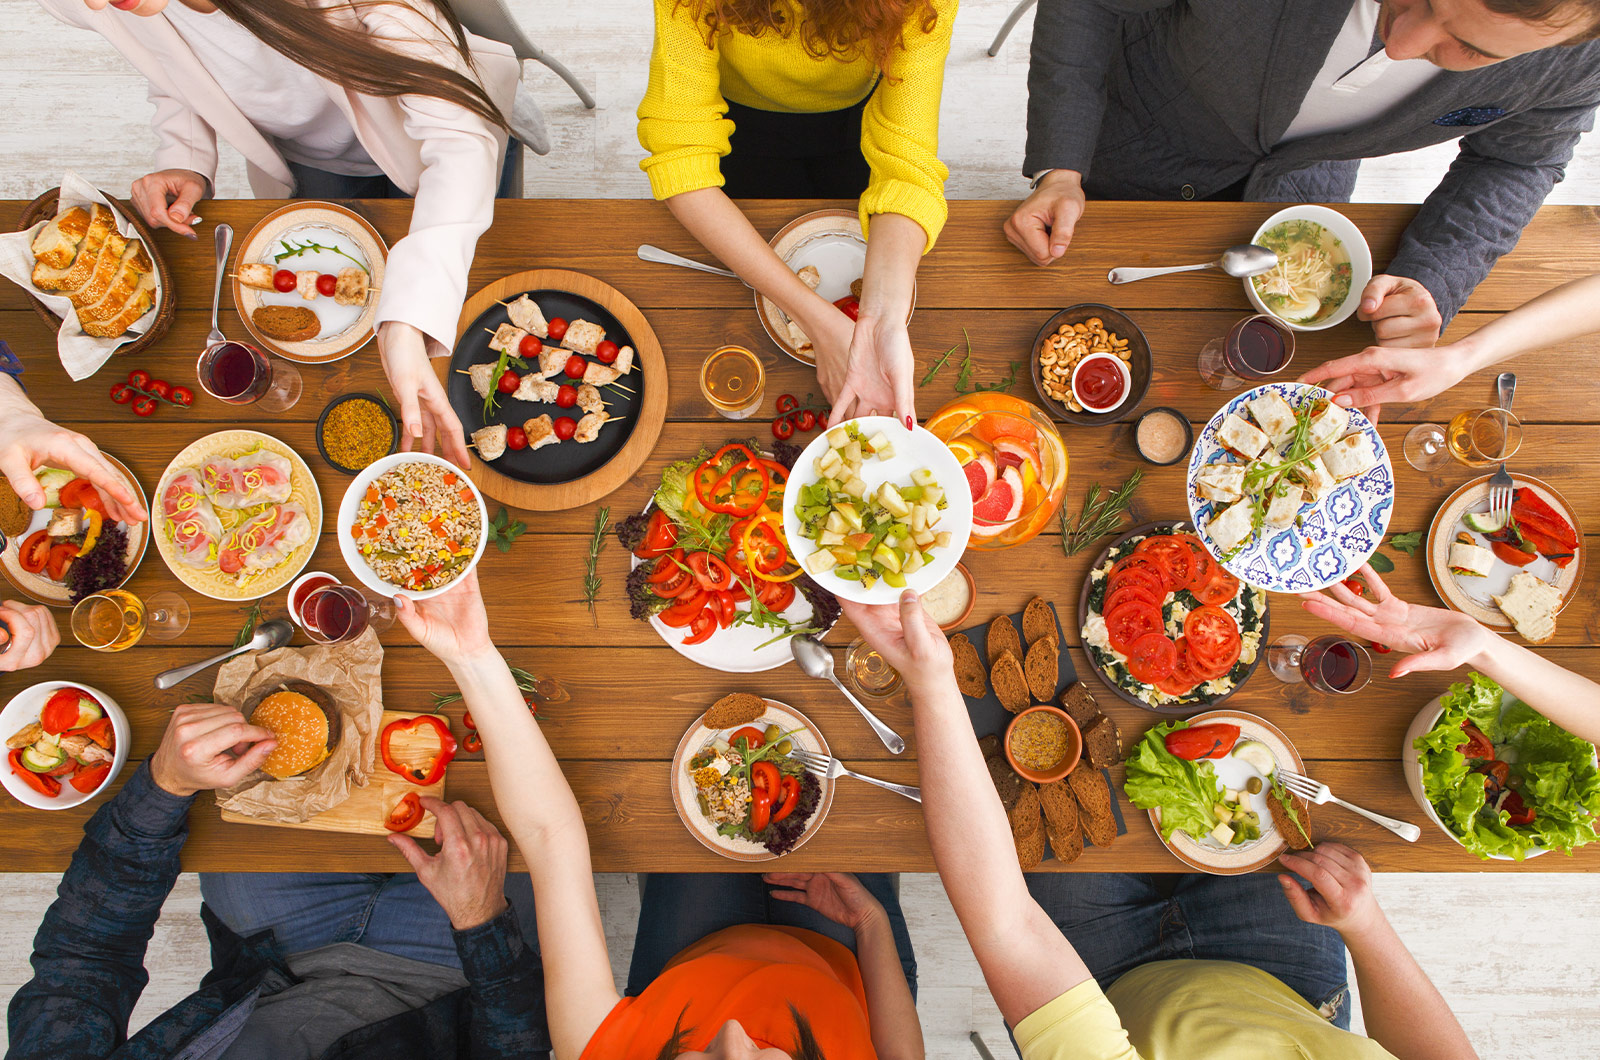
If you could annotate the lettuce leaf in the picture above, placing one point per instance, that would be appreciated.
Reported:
(1185, 792)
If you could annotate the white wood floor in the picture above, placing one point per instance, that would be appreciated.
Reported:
(1515, 956)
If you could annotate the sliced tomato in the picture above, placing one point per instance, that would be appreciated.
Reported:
(726, 608)
(89, 778)
(1129, 592)
(1142, 561)
(776, 596)
(1183, 679)
(1151, 658)
(34, 552)
(80, 493)
(1213, 637)
(1519, 812)
(702, 626)
(667, 566)
(60, 711)
(1174, 557)
(1477, 745)
(1130, 622)
(659, 536)
(406, 815)
(1221, 587)
(1203, 568)
(685, 609)
(1509, 553)
(676, 584)
(788, 798)
(1149, 577)
(712, 572)
(760, 810)
(764, 777)
(752, 736)
(60, 558)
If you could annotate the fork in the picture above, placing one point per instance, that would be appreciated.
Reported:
(1500, 484)
(1317, 792)
(821, 765)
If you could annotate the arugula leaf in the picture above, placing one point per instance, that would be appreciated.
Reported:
(1407, 543)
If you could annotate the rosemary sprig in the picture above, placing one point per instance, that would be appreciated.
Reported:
(1098, 517)
(292, 250)
(547, 689)
(251, 621)
(597, 545)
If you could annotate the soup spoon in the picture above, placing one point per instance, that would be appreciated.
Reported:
(268, 636)
(1244, 259)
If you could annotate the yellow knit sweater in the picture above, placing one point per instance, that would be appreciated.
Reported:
(682, 123)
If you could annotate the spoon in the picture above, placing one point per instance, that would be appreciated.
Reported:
(667, 257)
(817, 661)
(268, 635)
(224, 244)
(1244, 259)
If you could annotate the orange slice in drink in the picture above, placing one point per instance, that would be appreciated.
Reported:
(1000, 425)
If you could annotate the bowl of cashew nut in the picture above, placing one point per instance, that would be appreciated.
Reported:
(1075, 334)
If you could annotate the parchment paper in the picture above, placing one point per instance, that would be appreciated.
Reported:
(81, 355)
(351, 674)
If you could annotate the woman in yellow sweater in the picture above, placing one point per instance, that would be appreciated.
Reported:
(808, 98)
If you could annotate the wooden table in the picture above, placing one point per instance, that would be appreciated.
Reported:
(632, 697)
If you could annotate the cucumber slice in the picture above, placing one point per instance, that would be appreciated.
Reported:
(89, 712)
(1483, 522)
(41, 760)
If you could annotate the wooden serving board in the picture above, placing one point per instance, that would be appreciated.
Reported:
(363, 813)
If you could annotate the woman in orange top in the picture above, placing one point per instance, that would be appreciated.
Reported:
(759, 990)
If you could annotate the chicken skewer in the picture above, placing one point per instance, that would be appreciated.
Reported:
(352, 287)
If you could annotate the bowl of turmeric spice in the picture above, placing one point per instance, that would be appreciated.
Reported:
(355, 430)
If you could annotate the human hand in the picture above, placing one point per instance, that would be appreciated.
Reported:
(1342, 899)
(1401, 310)
(167, 199)
(838, 896)
(33, 635)
(1380, 374)
(1440, 639)
(208, 745)
(453, 625)
(425, 412)
(1042, 225)
(876, 375)
(29, 441)
(906, 636)
(467, 877)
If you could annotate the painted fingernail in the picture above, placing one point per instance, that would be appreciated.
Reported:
(909, 424)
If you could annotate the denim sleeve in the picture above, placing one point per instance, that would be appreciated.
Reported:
(88, 957)
(506, 983)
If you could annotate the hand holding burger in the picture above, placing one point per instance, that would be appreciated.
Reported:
(206, 746)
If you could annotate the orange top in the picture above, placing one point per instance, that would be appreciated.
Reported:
(751, 973)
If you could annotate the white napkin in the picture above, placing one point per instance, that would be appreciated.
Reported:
(81, 355)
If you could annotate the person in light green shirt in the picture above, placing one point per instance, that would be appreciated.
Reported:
(1163, 1010)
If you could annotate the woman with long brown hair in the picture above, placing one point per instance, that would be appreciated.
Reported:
(808, 99)
(344, 99)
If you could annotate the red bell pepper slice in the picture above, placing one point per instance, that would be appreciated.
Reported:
(433, 771)
(101, 732)
(406, 815)
(1202, 741)
(49, 787)
(89, 779)
(789, 794)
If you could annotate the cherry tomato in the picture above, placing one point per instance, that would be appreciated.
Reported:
(472, 743)
(516, 438)
(606, 351)
(122, 393)
(782, 428)
(564, 426)
(557, 329)
(567, 396)
(575, 366)
(285, 280)
(530, 346)
(1356, 586)
(138, 378)
(144, 406)
(327, 284)
(159, 388)
(805, 420)
(182, 396)
(508, 382)
(1381, 649)
(787, 403)
(822, 421)
(850, 306)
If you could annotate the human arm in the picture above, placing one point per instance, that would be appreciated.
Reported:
(1445, 640)
(1402, 1009)
(28, 636)
(538, 808)
(879, 368)
(28, 441)
(839, 896)
(185, 165)
(88, 957)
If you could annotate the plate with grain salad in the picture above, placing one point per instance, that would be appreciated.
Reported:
(411, 524)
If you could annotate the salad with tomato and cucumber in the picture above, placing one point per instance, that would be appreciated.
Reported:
(71, 547)
(71, 742)
(710, 555)
(1165, 625)
(748, 788)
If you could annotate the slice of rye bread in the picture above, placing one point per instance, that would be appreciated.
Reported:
(1038, 621)
(1102, 742)
(1298, 836)
(1042, 667)
(1010, 683)
(1025, 814)
(1079, 704)
(1001, 636)
(969, 667)
(1030, 847)
(988, 745)
(735, 708)
(1006, 782)
(1061, 824)
(1094, 805)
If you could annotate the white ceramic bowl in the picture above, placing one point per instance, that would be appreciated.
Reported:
(294, 590)
(912, 450)
(352, 503)
(1355, 244)
(23, 710)
(1122, 369)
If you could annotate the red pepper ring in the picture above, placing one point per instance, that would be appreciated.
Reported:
(434, 771)
(406, 815)
(742, 499)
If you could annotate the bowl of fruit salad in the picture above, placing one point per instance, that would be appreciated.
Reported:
(1013, 460)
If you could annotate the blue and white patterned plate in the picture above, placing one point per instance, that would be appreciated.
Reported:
(1334, 537)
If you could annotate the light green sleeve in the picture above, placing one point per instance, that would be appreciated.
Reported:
(1078, 1025)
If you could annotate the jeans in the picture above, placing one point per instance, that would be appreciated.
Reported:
(679, 909)
(1118, 921)
(311, 183)
(392, 912)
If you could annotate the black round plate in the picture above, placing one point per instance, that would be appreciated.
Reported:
(566, 461)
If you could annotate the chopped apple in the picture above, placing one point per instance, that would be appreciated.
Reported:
(919, 519)
(913, 563)
(838, 438)
(886, 557)
(856, 488)
(881, 445)
(835, 522)
(849, 514)
(942, 539)
(820, 562)
(923, 476)
(843, 553)
(830, 537)
(890, 498)
(923, 539)
(859, 540)
(852, 454)
(932, 495)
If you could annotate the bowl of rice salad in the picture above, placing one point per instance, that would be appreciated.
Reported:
(411, 524)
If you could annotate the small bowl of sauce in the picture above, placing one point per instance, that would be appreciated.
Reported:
(1043, 744)
(950, 602)
(301, 590)
(1163, 436)
(1101, 383)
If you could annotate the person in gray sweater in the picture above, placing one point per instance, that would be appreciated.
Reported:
(1279, 100)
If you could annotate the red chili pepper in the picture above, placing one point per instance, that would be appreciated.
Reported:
(433, 772)
(406, 815)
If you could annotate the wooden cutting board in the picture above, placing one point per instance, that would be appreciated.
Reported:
(363, 813)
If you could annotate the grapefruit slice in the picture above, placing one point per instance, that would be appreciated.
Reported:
(980, 474)
(1002, 502)
(1015, 451)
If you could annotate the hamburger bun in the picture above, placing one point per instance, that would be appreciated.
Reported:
(303, 719)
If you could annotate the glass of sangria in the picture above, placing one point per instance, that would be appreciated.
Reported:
(1015, 463)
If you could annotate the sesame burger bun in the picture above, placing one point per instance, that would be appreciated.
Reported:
(303, 720)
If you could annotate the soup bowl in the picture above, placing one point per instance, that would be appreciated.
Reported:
(1355, 244)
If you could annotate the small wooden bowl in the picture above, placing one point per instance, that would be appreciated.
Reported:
(1069, 758)
(45, 206)
(1139, 363)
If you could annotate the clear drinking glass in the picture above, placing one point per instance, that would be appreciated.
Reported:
(335, 614)
(110, 621)
(240, 374)
(733, 380)
(1484, 437)
(1425, 447)
(870, 673)
(1330, 663)
(1254, 350)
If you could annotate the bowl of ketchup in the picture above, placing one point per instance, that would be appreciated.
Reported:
(1132, 375)
(1101, 383)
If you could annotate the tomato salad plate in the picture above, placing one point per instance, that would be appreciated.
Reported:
(712, 571)
(737, 789)
(1289, 491)
(1209, 784)
(71, 548)
(64, 743)
(1165, 626)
